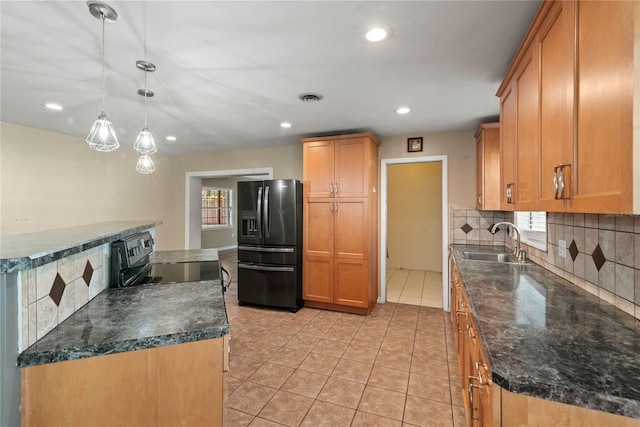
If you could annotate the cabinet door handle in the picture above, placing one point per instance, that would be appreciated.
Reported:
(559, 181)
(335, 186)
(510, 192)
(562, 186)
(331, 206)
(480, 199)
(469, 333)
(336, 206)
(472, 409)
(331, 187)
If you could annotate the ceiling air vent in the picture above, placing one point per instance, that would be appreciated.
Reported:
(310, 97)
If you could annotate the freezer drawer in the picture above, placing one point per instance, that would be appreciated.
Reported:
(282, 255)
(272, 285)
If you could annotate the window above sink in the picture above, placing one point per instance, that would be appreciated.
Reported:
(533, 228)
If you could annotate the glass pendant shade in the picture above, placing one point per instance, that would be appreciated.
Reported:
(144, 143)
(102, 137)
(145, 165)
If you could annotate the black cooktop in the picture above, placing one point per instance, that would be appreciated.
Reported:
(183, 272)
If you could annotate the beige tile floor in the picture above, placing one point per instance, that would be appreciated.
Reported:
(414, 287)
(395, 367)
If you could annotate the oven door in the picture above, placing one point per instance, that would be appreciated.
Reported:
(272, 285)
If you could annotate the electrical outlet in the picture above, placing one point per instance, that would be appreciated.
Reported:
(562, 248)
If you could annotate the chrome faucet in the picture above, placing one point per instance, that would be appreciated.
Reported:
(520, 255)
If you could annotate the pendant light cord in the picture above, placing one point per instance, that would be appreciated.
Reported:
(103, 66)
(144, 36)
(145, 93)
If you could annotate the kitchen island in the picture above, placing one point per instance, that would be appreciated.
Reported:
(548, 343)
(45, 276)
(147, 355)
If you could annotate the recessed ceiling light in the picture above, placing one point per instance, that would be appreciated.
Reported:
(171, 138)
(377, 35)
(402, 110)
(285, 125)
(52, 106)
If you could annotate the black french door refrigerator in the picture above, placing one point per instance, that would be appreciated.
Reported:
(270, 243)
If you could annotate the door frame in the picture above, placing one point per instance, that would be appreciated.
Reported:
(446, 304)
(193, 199)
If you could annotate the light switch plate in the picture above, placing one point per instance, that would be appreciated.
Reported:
(562, 248)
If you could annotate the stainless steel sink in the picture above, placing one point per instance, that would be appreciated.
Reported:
(491, 257)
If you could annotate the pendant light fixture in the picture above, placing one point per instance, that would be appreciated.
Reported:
(102, 137)
(145, 165)
(144, 143)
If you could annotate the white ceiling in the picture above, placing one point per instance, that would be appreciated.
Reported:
(228, 72)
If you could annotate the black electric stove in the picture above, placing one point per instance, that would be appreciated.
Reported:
(131, 265)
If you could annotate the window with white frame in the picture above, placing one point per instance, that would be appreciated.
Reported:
(217, 207)
(533, 228)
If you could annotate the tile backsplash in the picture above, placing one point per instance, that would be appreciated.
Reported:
(472, 227)
(49, 294)
(602, 251)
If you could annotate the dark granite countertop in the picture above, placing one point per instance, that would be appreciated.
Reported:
(135, 318)
(547, 338)
(30, 250)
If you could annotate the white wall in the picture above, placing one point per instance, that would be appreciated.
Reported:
(458, 146)
(285, 160)
(50, 180)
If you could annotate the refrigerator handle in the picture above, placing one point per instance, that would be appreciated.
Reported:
(266, 219)
(259, 212)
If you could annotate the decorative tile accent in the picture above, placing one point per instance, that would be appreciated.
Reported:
(88, 272)
(466, 228)
(573, 250)
(57, 289)
(598, 257)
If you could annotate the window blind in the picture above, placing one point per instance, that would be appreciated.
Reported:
(532, 221)
(533, 227)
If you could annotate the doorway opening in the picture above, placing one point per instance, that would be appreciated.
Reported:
(193, 198)
(413, 230)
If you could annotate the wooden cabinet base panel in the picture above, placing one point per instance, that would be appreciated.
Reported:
(524, 411)
(178, 385)
(337, 307)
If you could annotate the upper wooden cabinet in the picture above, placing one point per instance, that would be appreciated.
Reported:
(519, 118)
(336, 167)
(555, 45)
(578, 126)
(488, 167)
(340, 222)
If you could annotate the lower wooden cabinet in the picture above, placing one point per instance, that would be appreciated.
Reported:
(475, 371)
(488, 405)
(184, 384)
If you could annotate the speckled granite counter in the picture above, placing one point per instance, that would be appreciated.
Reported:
(30, 250)
(136, 318)
(549, 339)
(186, 255)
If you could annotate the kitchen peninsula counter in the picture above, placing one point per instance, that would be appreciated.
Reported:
(549, 339)
(30, 250)
(140, 317)
(156, 354)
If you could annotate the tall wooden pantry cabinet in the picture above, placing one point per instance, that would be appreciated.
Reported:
(340, 255)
